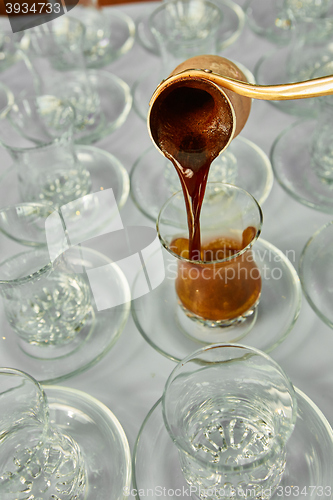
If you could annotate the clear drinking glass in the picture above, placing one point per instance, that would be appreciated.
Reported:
(311, 47)
(55, 53)
(46, 300)
(182, 27)
(37, 459)
(230, 411)
(274, 19)
(38, 134)
(222, 287)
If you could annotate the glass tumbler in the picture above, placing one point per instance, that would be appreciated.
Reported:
(230, 411)
(37, 460)
(57, 64)
(310, 48)
(47, 301)
(185, 28)
(38, 134)
(222, 286)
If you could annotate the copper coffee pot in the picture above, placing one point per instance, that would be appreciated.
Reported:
(231, 93)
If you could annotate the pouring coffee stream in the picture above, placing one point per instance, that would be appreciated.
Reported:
(195, 113)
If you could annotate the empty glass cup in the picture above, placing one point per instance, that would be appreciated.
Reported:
(184, 27)
(37, 459)
(222, 286)
(230, 411)
(38, 134)
(55, 52)
(274, 19)
(46, 300)
(310, 49)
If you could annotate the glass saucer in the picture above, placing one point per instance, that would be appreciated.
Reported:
(161, 322)
(105, 170)
(143, 88)
(231, 27)
(271, 69)
(244, 164)
(291, 161)
(109, 34)
(308, 474)
(115, 101)
(101, 439)
(316, 268)
(99, 333)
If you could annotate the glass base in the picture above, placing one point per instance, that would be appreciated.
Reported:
(105, 171)
(157, 318)
(157, 471)
(271, 69)
(109, 34)
(198, 331)
(115, 102)
(232, 24)
(50, 364)
(100, 437)
(144, 87)
(292, 165)
(51, 352)
(243, 164)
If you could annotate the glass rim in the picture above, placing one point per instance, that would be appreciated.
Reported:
(4, 115)
(30, 277)
(218, 261)
(277, 441)
(48, 208)
(51, 26)
(16, 371)
(31, 246)
(45, 422)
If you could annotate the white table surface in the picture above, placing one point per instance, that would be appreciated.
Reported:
(131, 377)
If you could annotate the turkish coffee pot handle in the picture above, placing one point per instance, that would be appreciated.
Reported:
(300, 90)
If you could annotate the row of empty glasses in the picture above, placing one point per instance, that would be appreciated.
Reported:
(303, 31)
(59, 106)
(229, 420)
(59, 192)
(302, 155)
